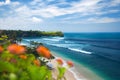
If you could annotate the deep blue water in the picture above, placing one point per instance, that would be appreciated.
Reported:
(98, 51)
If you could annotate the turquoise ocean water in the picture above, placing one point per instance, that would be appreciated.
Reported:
(99, 52)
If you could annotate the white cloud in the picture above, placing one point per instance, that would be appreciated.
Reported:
(91, 20)
(84, 7)
(14, 4)
(9, 2)
(36, 20)
(5, 2)
(25, 14)
(103, 20)
(115, 2)
(35, 2)
(79, 7)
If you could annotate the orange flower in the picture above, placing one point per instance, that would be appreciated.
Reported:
(36, 62)
(1, 49)
(16, 49)
(43, 51)
(70, 64)
(23, 56)
(60, 61)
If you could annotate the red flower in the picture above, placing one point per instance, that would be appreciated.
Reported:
(43, 51)
(16, 49)
(60, 61)
(1, 49)
(23, 56)
(36, 62)
(70, 64)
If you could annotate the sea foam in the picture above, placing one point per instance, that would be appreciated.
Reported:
(80, 50)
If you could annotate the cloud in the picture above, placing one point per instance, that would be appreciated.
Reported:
(9, 2)
(103, 20)
(91, 20)
(59, 11)
(36, 20)
(23, 11)
(84, 6)
(115, 2)
(5, 2)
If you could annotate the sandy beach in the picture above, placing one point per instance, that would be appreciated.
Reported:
(78, 72)
(69, 74)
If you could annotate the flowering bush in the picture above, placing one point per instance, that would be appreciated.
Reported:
(36, 62)
(16, 64)
(16, 49)
(70, 63)
(60, 61)
(43, 51)
(1, 49)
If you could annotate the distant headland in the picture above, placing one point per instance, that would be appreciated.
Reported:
(30, 33)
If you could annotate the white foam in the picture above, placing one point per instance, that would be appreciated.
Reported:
(80, 50)
(60, 38)
(72, 70)
(58, 45)
(51, 39)
(69, 42)
(75, 75)
(22, 44)
(26, 40)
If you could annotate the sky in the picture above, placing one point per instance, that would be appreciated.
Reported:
(61, 15)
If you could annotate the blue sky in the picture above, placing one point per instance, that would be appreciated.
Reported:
(61, 15)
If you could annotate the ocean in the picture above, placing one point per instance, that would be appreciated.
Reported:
(97, 52)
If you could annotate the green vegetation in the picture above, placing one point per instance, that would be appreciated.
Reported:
(20, 62)
(20, 33)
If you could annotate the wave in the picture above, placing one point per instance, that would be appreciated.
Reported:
(26, 40)
(58, 45)
(53, 39)
(70, 42)
(74, 72)
(60, 38)
(80, 50)
(50, 39)
(22, 44)
(67, 46)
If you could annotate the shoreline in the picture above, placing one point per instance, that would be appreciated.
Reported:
(74, 73)
(79, 71)
(70, 73)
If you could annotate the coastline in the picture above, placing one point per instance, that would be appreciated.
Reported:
(92, 66)
(79, 71)
(71, 73)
